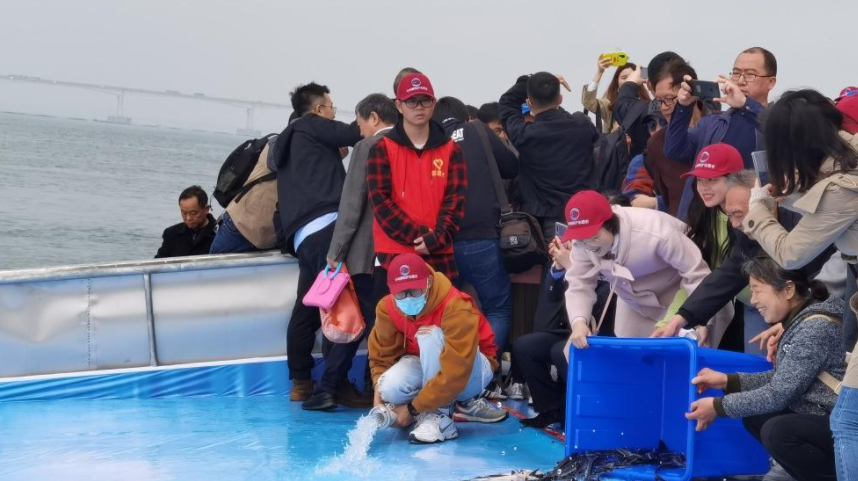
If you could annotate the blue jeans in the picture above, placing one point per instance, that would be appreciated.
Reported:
(402, 382)
(754, 324)
(229, 239)
(844, 425)
(481, 264)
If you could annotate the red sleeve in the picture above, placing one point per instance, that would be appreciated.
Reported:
(453, 208)
(393, 220)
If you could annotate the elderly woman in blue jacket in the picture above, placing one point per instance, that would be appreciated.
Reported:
(787, 408)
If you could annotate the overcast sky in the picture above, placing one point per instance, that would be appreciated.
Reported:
(474, 50)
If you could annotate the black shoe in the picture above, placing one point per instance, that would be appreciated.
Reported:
(543, 420)
(349, 396)
(321, 401)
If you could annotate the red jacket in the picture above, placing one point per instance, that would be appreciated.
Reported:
(417, 193)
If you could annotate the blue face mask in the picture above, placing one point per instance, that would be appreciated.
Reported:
(411, 306)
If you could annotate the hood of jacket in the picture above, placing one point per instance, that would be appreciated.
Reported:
(437, 136)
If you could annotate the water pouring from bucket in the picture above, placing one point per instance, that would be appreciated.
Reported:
(354, 460)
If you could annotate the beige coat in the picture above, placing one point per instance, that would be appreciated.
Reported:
(830, 216)
(602, 105)
(254, 214)
(654, 259)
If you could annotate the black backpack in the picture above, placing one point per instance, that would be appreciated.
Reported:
(612, 153)
(236, 170)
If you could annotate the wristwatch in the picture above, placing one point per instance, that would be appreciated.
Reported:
(412, 410)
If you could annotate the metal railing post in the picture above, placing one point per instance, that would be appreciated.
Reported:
(150, 319)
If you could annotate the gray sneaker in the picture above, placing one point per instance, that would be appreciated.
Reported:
(479, 411)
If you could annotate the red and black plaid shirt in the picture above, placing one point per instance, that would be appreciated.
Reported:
(400, 227)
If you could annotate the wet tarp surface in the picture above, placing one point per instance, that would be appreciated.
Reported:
(213, 438)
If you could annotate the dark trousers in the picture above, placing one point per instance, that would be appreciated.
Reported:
(850, 324)
(370, 288)
(534, 355)
(801, 443)
(305, 321)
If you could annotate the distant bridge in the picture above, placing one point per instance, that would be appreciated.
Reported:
(250, 106)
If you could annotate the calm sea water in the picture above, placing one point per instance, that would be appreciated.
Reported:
(79, 192)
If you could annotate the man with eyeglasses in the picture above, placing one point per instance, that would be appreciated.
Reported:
(416, 182)
(432, 352)
(745, 91)
(310, 179)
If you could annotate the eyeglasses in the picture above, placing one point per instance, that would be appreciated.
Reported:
(424, 102)
(749, 77)
(667, 101)
(415, 293)
(333, 109)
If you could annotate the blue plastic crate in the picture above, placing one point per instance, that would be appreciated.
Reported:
(634, 393)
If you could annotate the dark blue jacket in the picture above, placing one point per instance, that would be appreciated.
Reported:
(555, 153)
(683, 144)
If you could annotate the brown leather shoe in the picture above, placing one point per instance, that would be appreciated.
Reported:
(301, 390)
(349, 396)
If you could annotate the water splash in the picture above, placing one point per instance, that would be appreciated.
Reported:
(355, 460)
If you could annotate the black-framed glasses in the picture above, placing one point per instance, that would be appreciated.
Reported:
(333, 109)
(749, 77)
(666, 101)
(424, 102)
(415, 293)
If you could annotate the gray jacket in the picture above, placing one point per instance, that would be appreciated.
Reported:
(352, 241)
(807, 348)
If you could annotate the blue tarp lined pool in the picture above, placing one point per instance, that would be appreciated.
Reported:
(225, 422)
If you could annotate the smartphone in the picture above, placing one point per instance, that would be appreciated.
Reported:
(618, 59)
(559, 229)
(644, 73)
(759, 158)
(705, 90)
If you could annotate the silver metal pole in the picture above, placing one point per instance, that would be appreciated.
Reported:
(150, 319)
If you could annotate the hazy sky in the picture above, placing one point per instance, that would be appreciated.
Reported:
(474, 50)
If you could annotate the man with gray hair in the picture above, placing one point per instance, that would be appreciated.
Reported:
(728, 281)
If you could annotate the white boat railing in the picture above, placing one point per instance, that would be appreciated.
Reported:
(146, 313)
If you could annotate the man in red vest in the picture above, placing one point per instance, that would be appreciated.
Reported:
(416, 182)
(431, 347)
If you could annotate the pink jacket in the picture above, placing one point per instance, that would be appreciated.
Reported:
(654, 259)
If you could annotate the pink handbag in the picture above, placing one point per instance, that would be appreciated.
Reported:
(327, 288)
(343, 322)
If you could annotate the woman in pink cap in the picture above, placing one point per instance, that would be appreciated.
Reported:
(644, 255)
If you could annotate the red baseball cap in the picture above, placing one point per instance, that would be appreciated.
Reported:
(717, 160)
(586, 212)
(407, 271)
(414, 84)
(848, 106)
(847, 92)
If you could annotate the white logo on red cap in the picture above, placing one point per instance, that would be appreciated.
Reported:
(702, 162)
(415, 82)
(703, 157)
(404, 271)
(574, 214)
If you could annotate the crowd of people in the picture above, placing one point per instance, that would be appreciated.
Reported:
(698, 238)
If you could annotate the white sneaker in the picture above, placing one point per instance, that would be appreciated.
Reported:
(433, 427)
(777, 473)
(516, 391)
